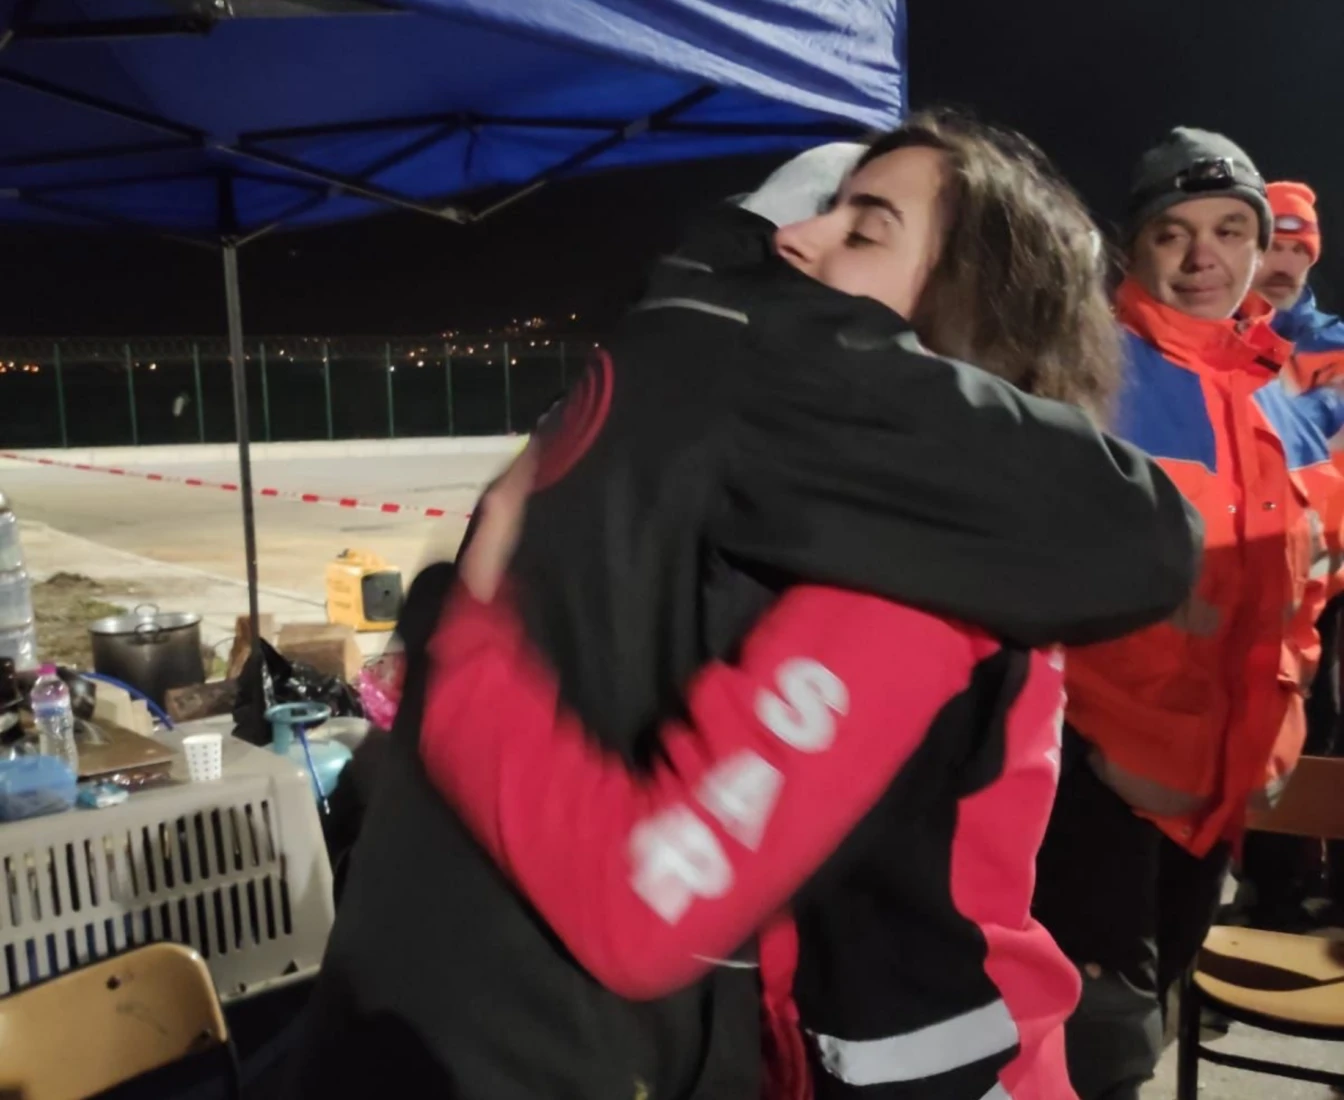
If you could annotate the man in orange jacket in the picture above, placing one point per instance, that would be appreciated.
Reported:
(1281, 871)
(1317, 336)
(1173, 731)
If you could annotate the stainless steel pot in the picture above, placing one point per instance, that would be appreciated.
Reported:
(149, 649)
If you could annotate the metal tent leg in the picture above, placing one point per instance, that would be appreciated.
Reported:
(236, 357)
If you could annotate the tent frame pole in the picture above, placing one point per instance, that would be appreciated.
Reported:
(234, 305)
(232, 237)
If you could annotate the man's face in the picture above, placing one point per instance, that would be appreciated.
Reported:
(1283, 275)
(1199, 256)
(881, 237)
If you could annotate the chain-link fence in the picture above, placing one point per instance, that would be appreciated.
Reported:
(84, 393)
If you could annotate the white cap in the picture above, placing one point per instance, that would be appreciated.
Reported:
(801, 188)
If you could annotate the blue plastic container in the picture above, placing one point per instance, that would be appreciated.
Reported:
(31, 786)
(323, 760)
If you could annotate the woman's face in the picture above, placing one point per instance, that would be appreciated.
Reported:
(882, 235)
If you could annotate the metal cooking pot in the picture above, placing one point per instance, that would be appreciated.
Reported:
(149, 649)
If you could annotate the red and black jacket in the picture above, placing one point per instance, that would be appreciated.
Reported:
(884, 774)
(747, 430)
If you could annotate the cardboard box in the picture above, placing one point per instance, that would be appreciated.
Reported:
(115, 707)
(186, 704)
(242, 641)
(331, 648)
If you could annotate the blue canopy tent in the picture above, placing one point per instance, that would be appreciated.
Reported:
(215, 122)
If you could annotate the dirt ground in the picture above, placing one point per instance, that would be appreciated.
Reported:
(65, 604)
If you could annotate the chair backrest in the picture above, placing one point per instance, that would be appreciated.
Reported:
(1312, 804)
(92, 1028)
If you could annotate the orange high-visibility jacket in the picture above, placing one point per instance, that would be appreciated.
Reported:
(1316, 373)
(1193, 718)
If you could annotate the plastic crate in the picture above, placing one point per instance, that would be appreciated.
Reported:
(236, 868)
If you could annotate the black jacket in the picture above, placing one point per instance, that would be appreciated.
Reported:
(746, 428)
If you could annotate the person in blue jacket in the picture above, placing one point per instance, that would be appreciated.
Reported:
(1278, 874)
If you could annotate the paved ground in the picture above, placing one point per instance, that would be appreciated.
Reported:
(184, 546)
(201, 527)
(1217, 1083)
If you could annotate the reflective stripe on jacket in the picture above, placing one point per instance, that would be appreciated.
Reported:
(1192, 718)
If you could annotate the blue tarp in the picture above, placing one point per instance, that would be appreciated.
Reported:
(219, 120)
(281, 113)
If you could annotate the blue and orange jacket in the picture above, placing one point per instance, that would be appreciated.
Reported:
(1194, 717)
(1318, 342)
(1315, 376)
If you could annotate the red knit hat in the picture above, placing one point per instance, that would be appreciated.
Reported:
(1294, 206)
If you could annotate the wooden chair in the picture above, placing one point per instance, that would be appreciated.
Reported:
(1288, 984)
(88, 1030)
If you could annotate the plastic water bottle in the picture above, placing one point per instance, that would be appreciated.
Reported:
(18, 639)
(55, 717)
(11, 550)
(16, 599)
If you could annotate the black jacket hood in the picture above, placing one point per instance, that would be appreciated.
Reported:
(859, 458)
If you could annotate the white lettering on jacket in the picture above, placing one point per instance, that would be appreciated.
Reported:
(803, 713)
(741, 793)
(677, 858)
(675, 855)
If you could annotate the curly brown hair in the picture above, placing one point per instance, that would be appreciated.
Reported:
(1019, 286)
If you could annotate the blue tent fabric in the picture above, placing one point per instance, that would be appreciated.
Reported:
(294, 119)
(837, 57)
(216, 121)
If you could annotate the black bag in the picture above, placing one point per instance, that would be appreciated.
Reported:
(269, 678)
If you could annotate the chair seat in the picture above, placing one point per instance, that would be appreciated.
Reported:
(1296, 980)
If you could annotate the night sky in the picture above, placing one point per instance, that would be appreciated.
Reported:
(1093, 82)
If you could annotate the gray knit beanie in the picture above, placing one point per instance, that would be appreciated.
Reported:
(1191, 164)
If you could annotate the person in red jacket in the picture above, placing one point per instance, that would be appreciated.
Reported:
(881, 770)
(1174, 731)
(1279, 874)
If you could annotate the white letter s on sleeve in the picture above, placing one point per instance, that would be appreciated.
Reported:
(802, 714)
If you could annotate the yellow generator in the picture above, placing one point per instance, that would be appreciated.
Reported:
(363, 591)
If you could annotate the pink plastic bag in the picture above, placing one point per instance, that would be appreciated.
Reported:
(379, 685)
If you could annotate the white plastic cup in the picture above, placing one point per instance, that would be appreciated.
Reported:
(205, 756)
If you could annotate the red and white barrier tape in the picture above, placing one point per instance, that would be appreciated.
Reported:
(232, 487)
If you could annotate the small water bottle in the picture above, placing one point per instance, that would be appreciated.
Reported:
(55, 717)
